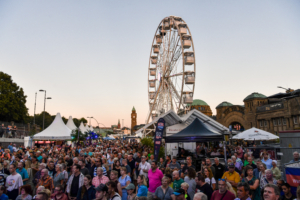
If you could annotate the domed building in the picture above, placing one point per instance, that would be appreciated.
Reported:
(272, 114)
(202, 106)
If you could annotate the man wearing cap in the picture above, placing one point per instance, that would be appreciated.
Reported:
(179, 194)
(101, 192)
(130, 191)
(232, 176)
(144, 167)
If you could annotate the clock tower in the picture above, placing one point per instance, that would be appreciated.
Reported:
(133, 119)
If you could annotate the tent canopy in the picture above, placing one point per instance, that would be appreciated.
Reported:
(82, 128)
(197, 131)
(255, 134)
(70, 124)
(56, 131)
(108, 138)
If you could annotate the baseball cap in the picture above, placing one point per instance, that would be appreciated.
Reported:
(231, 165)
(130, 187)
(102, 188)
(179, 192)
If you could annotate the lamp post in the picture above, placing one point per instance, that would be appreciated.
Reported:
(44, 107)
(90, 120)
(34, 110)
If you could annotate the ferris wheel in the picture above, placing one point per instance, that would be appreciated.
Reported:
(172, 68)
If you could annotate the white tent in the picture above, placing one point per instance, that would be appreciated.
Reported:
(87, 127)
(91, 128)
(56, 131)
(255, 134)
(70, 124)
(82, 128)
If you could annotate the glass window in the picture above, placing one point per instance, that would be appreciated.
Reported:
(284, 121)
(274, 122)
(261, 123)
(279, 121)
(295, 120)
(266, 123)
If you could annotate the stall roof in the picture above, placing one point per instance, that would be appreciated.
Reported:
(56, 131)
(197, 131)
(70, 124)
(170, 118)
(213, 124)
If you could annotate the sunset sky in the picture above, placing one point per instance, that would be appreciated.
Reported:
(92, 56)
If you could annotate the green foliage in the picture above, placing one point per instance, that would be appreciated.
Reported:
(39, 119)
(76, 138)
(147, 141)
(12, 100)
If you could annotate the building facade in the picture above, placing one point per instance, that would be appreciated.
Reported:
(275, 113)
(202, 106)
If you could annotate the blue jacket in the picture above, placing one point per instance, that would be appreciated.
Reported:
(256, 172)
(3, 197)
(88, 195)
(142, 191)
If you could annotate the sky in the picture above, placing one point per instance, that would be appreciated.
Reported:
(92, 56)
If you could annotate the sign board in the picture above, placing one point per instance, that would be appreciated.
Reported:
(270, 107)
(158, 136)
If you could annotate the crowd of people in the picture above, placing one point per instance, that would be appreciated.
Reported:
(9, 130)
(122, 170)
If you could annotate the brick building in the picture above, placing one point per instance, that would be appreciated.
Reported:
(275, 113)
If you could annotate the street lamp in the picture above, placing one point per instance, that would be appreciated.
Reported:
(90, 119)
(44, 106)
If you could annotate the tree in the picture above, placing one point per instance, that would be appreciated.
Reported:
(147, 141)
(12, 100)
(39, 119)
(75, 137)
(83, 120)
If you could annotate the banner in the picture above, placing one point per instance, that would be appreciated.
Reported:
(293, 178)
(158, 136)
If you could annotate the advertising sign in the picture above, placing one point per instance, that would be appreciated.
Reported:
(158, 136)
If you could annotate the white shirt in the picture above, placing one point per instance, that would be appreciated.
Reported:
(14, 182)
(213, 181)
(145, 166)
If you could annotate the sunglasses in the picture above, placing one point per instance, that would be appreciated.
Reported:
(221, 179)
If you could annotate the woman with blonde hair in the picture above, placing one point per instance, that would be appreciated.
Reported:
(141, 187)
(164, 192)
(230, 188)
(209, 177)
(185, 187)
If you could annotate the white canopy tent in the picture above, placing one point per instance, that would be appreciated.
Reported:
(255, 134)
(56, 131)
(82, 128)
(70, 124)
(91, 128)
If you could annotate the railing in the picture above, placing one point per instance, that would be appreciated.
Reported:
(19, 133)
